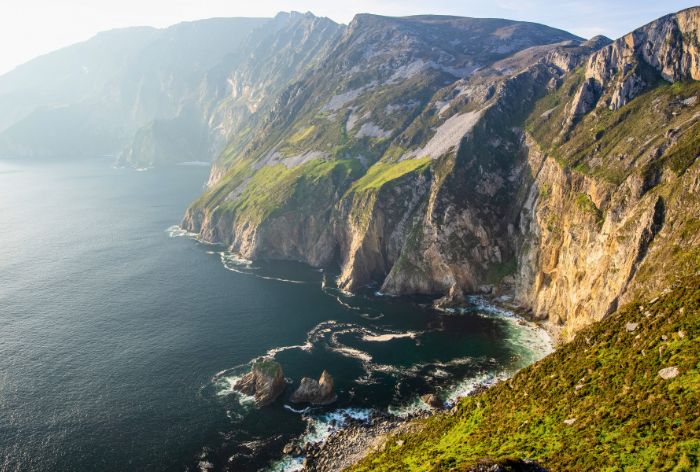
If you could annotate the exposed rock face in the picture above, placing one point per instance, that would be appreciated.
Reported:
(371, 221)
(499, 171)
(265, 382)
(669, 47)
(596, 236)
(432, 400)
(315, 392)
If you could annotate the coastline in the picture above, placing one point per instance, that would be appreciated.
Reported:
(351, 439)
(337, 438)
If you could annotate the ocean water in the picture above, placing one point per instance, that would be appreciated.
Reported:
(120, 335)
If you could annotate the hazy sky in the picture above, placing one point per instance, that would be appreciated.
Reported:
(32, 27)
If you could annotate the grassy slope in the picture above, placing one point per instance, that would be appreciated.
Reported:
(384, 172)
(626, 416)
(611, 144)
(275, 188)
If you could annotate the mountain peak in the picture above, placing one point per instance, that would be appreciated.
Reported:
(665, 49)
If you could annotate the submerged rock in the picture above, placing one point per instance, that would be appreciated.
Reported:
(315, 392)
(432, 400)
(265, 382)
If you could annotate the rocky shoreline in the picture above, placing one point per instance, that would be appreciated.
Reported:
(358, 438)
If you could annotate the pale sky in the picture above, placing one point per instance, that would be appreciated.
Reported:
(29, 28)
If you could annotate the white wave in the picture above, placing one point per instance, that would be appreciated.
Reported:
(455, 362)
(234, 259)
(408, 409)
(367, 316)
(234, 415)
(318, 429)
(195, 163)
(205, 466)
(176, 231)
(235, 262)
(346, 305)
(443, 374)
(322, 426)
(225, 387)
(277, 279)
(380, 338)
(352, 352)
(468, 386)
(288, 464)
(303, 411)
(307, 346)
(530, 341)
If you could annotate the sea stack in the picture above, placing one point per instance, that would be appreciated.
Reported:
(315, 392)
(265, 382)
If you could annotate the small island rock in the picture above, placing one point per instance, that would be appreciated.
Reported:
(265, 382)
(315, 392)
(432, 400)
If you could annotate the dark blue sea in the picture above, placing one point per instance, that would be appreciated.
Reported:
(120, 336)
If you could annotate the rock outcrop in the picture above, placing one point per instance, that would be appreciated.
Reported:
(549, 169)
(315, 392)
(668, 48)
(265, 382)
(432, 400)
(612, 191)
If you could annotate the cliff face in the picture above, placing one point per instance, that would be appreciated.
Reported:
(667, 47)
(105, 89)
(448, 156)
(345, 164)
(158, 97)
(614, 206)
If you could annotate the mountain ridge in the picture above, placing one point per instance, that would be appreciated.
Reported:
(432, 205)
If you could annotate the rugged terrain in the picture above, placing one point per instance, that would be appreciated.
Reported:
(446, 156)
(157, 97)
(442, 156)
(623, 395)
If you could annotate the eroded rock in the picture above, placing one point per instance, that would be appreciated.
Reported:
(432, 400)
(315, 392)
(265, 382)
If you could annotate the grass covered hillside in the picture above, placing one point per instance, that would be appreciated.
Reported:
(623, 395)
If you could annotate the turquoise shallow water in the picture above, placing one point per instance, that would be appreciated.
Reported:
(120, 338)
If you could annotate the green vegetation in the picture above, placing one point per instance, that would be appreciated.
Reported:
(496, 272)
(585, 204)
(612, 144)
(597, 403)
(383, 172)
(268, 367)
(274, 188)
(544, 123)
(684, 152)
(302, 134)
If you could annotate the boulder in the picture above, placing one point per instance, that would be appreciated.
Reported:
(668, 373)
(265, 382)
(315, 392)
(432, 400)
